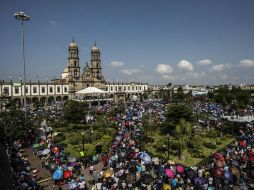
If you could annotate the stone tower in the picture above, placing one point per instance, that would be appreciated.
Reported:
(96, 63)
(73, 58)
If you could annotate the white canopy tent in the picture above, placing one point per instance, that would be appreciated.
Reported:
(93, 93)
(91, 90)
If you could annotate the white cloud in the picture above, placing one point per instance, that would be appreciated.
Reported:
(52, 22)
(168, 77)
(164, 69)
(117, 63)
(130, 71)
(246, 63)
(185, 65)
(205, 62)
(221, 67)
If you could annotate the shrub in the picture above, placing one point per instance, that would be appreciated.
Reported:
(210, 145)
(219, 143)
(59, 138)
(213, 134)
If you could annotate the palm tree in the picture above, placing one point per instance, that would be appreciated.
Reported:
(183, 132)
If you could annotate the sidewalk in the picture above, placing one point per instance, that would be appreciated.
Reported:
(43, 173)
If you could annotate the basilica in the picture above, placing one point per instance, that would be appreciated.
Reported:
(90, 75)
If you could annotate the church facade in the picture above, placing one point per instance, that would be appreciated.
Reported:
(79, 78)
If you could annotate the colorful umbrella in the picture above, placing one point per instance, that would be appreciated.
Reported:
(45, 151)
(228, 176)
(169, 173)
(107, 173)
(67, 174)
(37, 145)
(145, 157)
(218, 172)
(180, 169)
(58, 174)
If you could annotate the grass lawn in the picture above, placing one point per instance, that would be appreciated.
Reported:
(101, 135)
(190, 160)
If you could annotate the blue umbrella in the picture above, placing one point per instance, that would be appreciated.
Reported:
(228, 176)
(199, 180)
(145, 157)
(73, 184)
(58, 174)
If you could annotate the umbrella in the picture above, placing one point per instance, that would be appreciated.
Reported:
(147, 178)
(55, 149)
(118, 137)
(234, 170)
(169, 173)
(67, 174)
(73, 184)
(56, 133)
(171, 162)
(190, 173)
(218, 172)
(199, 180)
(145, 157)
(58, 174)
(72, 159)
(130, 177)
(235, 163)
(228, 176)
(180, 169)
(45, 151)
(219, 156)
(37, 145)
(107, 173)
(219, 163)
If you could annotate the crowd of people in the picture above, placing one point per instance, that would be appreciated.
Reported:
(126, 166)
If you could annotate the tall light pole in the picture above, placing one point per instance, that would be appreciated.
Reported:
(23, 17)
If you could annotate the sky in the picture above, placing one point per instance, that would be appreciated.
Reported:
(193, 42)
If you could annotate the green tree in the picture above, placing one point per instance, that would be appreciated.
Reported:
(75, 111)
(174, 113)
(182, 133)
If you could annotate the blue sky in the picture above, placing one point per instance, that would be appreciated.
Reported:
(155, 41)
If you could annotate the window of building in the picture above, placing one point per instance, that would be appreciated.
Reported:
(26, 89)
(16, 90)
(58, 89)
(43, 89)
(111, 88)
(129, 88)
(51, 89)
(136, 88)
(116, 88)
(139, 87)
(6, 90)
(132, 87)
(34, 90)
(65, 89)
(124, 88)
(106, 88)
(120, 88)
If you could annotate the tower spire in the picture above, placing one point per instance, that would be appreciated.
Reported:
(94, 43)
(73, 39)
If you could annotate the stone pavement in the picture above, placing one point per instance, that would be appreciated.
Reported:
(43, 173)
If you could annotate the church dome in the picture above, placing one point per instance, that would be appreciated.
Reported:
(65, 70)
(94, 48)
(73, 45)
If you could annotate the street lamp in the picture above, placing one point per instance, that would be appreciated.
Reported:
(23, 17)
(168, 144)
(83, 141)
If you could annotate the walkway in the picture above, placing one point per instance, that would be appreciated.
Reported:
(43, 173)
